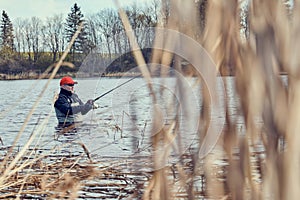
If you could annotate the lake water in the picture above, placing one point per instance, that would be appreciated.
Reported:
(122, 124)
(119, 130)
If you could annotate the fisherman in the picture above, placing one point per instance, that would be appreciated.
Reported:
(68, 107)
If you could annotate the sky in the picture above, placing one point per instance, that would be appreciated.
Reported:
(48, 8)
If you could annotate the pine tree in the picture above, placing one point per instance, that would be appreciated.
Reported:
(73, 21)
(7, 37)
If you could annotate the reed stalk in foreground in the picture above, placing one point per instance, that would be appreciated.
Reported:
(7, 166)
(255, 159)
(257, 61)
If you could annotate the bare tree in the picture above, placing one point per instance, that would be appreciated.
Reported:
(117, 30)
(54, 35)
(32, 34)
(103, 21)
(135, 17)
(20, 41)
(35, 29)
(28, 39)
(149, 20)
(142, 19)
(93, 30)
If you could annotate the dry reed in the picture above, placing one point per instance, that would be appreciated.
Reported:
(257, 161)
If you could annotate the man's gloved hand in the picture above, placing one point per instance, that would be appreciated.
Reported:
(90, 101)
(92, 104)
(89, 104)
(95, 106)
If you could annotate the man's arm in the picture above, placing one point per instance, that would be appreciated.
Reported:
(83, 108)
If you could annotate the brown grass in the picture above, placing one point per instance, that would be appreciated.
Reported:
(237, 167)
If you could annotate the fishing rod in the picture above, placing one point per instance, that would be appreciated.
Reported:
(102, 95)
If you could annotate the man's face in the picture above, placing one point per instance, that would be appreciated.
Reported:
(69, 87)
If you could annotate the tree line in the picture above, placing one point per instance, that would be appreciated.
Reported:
(33, 44)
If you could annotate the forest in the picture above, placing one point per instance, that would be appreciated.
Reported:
(30, 46)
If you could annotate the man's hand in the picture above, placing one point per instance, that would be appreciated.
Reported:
(89, 104)
(90, 101)
(95, 106)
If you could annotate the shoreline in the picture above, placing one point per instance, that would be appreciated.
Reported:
(35, 76)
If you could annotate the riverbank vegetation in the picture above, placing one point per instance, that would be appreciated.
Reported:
(29, 46)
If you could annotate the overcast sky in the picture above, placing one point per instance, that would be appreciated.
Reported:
(48, 8)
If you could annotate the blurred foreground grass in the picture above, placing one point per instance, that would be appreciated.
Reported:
(260, 161)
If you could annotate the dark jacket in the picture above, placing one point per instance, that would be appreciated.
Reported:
(69, 107)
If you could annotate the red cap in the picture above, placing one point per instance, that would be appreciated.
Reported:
(67, 80)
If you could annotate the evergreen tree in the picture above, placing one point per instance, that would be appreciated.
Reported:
(7, 37)
(81, 44)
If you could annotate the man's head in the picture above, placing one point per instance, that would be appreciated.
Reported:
(67, 83)
(67, 80)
